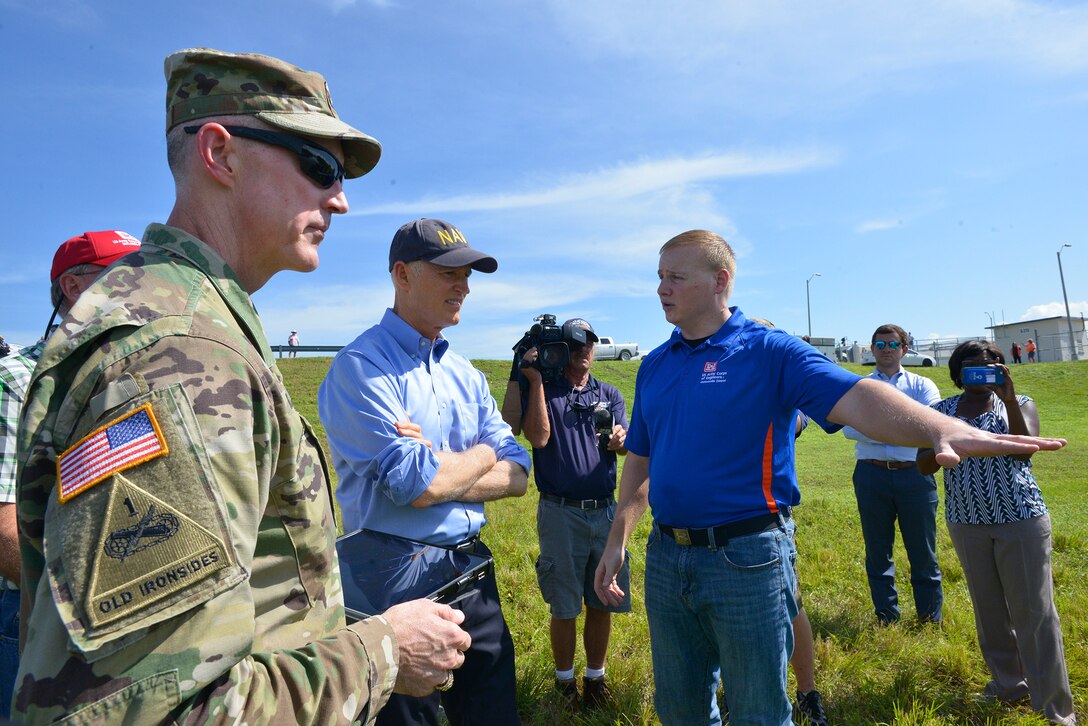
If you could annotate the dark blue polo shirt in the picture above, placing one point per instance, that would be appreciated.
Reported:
(572, 464)
(718, 421)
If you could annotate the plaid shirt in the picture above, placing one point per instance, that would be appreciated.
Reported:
(15, 371)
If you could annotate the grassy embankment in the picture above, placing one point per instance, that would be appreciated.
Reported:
(904, 674)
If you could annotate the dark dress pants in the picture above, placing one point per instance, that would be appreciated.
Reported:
(904, 495)
(484, 688)
(9, 647)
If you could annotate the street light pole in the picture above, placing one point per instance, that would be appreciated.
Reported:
(1068, 319)
(991, 317)
(808, 303)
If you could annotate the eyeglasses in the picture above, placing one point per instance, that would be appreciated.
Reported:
(316, 162)
(583, 401)
(587, 399)
(882, 344)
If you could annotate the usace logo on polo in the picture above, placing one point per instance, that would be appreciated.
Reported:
(711, 374)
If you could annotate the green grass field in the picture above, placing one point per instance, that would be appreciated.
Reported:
(904, 674)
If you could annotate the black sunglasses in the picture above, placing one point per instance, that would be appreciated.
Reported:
(316, 162)
(587, 399)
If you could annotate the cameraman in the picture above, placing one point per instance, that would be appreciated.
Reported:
(576, 425)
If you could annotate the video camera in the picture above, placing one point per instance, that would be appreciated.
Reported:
(552, 342)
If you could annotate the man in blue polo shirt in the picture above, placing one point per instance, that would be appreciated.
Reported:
(575, 471)
(710, 449)
(419, 446)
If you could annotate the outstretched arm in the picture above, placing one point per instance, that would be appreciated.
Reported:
(884, 414)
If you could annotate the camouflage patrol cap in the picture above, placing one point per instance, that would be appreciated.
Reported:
(203, 82)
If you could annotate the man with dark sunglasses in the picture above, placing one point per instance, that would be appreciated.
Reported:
(889, 488)
(576, 425)
(178, 558)
(315, 161)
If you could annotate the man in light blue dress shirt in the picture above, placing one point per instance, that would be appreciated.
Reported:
(419, 446)
(889, 487)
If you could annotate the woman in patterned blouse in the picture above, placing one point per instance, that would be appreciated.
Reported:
(1001, 531)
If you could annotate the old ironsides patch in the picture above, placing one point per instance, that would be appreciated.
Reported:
(121, 444)
(147, 551)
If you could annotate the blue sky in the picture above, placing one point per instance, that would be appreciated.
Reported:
(927, 158)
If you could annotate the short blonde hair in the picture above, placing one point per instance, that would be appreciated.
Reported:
(716, 251)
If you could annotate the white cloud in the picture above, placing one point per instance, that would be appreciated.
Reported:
(325, 313)
(338, 5)
(602, 231)
(595, 250)
(1073, 98)
(70, 14)
(20, 338)
(624, 181)
(341, 312)
(1055, 310)
(877, 225)
(18, 277)
(806, 54)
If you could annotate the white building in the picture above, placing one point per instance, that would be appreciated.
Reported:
(1051, 335)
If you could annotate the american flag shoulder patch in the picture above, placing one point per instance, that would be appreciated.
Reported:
(121, 444)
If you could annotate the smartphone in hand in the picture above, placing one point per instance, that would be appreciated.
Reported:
(982, 376)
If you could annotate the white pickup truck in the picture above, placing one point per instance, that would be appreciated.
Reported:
(607, 349)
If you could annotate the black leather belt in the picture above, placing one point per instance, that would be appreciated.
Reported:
(890, 465)
(577, 503)
(718, 536)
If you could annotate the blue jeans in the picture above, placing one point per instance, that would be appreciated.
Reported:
(723, 612)
(907, 496)
(9, 647)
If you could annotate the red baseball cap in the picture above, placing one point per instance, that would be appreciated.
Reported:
(93, 248)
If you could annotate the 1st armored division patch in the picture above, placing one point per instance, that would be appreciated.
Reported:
(121, 444)
(147, 552)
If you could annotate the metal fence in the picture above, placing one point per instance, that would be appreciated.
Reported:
(1051, 347)
(1056, 346)
(279, 350)
(940, 348)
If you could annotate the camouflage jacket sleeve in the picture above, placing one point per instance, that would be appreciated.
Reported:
(177, 527)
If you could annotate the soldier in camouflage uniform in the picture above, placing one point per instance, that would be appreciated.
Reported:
(178, 560)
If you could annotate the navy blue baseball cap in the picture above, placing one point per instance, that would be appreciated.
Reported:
(438, 242)
(579, 323)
